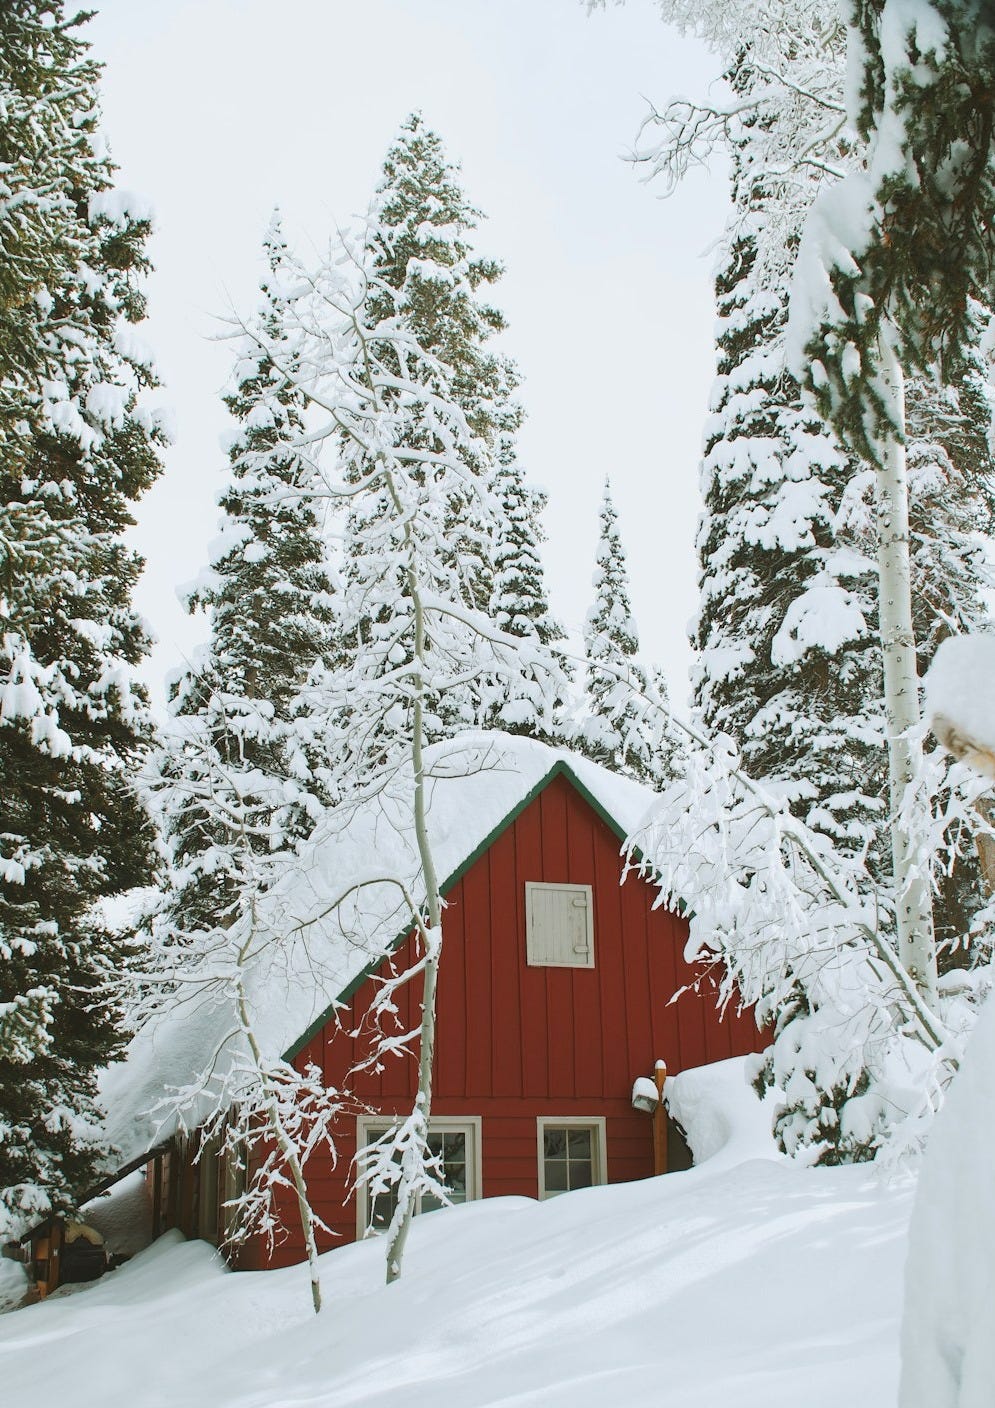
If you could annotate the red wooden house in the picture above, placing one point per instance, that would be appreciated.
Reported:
(555, 991)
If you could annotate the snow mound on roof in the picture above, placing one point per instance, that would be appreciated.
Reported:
(338, 908)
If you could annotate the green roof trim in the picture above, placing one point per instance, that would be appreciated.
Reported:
(559, 769)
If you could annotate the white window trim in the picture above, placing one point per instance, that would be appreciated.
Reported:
(444, 1124)
(599, 1162)
(578, 960)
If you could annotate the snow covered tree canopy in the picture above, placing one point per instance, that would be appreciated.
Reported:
(789, 629)
(77, 447)
(239, 775)
(410, 419)
(906, 240)
(625, 720)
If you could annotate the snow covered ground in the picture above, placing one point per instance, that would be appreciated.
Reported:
(745, 1282)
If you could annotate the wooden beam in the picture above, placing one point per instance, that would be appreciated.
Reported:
(660, 1121)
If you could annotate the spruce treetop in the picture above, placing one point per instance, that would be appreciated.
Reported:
(610, 630)
(238, 768)
(423, 253)
(622, 729)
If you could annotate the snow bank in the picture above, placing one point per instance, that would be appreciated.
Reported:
(757, 1286)
(720, 1114)
(13, 1284)
(948, 1348)
(948, 1344)
(960, 690)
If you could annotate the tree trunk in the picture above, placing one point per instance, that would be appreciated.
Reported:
(289, 1152)
(913, 902)
(433, 900)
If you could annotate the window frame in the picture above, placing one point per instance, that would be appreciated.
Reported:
(578, 962)
(599, 1150)
(471, 1125)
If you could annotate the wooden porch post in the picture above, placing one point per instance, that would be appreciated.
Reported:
(660, 1121)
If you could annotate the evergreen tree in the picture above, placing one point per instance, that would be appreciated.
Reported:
(424, 273)
(787, 664)
(615, 730)
(790, 661)
(519, 605)
(76, 449)
(889, 262)
(242, 775)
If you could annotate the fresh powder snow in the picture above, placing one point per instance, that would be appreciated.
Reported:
(747, 1280)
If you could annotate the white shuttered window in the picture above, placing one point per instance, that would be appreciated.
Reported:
(559, 925)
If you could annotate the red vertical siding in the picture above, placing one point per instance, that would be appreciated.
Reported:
(516, 1042)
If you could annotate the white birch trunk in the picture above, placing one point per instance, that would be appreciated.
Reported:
(433, 900)
(286, 1146)
(913, 902)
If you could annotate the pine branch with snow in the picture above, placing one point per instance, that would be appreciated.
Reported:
(792, 927)
(78, 445)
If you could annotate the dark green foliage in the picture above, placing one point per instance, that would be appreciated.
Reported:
(619, 730)
(928, 246)
(242, 771)
(76, 450)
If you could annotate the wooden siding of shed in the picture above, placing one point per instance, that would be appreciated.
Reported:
(515, 1042)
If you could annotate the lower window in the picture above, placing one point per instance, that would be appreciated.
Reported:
(455, 1143)
(571, 1154)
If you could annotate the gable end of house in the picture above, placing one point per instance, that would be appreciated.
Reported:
(560, 768)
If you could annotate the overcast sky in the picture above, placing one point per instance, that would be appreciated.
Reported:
(217, 110)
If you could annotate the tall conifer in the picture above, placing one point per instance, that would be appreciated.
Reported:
(790, 661)
(242, 772)
(425, 269)
(76, 450)
(519, 604)
(616, 729)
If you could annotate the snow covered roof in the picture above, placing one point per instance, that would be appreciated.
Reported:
(335, 913)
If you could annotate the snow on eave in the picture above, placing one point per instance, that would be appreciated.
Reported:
(478, 784)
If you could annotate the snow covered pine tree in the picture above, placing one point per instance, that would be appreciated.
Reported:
(268, 593)
(519, 604)
(76, 449)
(425, 224)
(889, 263)
(620, 728)
(790, 664)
